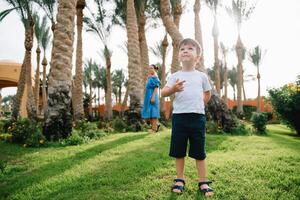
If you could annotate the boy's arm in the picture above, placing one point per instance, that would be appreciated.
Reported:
(167, 91)
(207, 95)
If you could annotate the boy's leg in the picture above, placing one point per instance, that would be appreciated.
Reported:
(179, 162)
(200, 164)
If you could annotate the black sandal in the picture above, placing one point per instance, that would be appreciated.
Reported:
(157, 129)
(178, 187)
(206, 190)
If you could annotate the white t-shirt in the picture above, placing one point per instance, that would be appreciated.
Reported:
(190, 100)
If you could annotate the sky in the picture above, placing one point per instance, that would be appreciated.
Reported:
(272, 25)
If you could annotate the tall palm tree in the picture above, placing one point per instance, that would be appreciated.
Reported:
(232, 75)
(58, 118)
(240, 11)
(46, 38)
(78, 96)
(24, 9)
(225, 51)
(134, 70)
(38, 31)
(97, 25)
(255, 57)
(213, 5)
(198, 32)
(118, 79)
(88, 72)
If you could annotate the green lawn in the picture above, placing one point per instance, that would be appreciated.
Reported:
(137, 166)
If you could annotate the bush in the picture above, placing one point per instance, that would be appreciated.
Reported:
(2, 124)
(26, 132)
(119, 125)
(211, 127)
(85, 126)
(6, 137)
(240, 129)
(259, 121)
(3, 165)
(74, 139)
(286, 103)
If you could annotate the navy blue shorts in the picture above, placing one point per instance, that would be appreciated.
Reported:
(188, 128)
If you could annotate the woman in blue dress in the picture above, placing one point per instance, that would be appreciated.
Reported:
(150, 109)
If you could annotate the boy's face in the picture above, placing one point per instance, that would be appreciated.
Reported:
(188, 54)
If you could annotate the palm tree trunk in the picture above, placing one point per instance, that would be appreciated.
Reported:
(134, 69)
(175, 66)
(258, 90)
(143, 45)
(124, 103)
(58, 118)
(163, 72)
(108, 101)
(31, 106)
(78, 96)
(215, 32)
(225, 82)
(44, 93)
(20, 92)
(239, 49)
(37, 79)
(198, 33)
(120, 95)
(98, 96)
(168, 22)
(91, 98)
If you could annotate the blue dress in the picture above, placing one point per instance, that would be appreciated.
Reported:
(151, 110)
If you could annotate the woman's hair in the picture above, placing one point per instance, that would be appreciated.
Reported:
(154, 67)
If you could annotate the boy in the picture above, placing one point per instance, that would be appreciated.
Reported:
(192, 92)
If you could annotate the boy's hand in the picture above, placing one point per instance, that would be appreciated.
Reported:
(178, 86)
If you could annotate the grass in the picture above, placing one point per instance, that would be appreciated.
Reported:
(137, 166)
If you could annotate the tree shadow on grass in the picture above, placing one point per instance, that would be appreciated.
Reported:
(26, 179)
(133, 175)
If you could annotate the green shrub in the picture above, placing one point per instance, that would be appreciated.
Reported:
(85, 126)
(3, 165)
(26, 132)
(211, 127)
(100, 124)
(93, 134)
(6, 137)
(286, 103)
(259, 122)
(119, 125)
(74, 139)
(2, 124)
(240, 129)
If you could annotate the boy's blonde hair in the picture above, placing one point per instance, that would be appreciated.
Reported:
(193, 43)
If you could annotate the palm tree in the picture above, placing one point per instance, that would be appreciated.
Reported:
(88, 72)
(24, 9)
(255, 57)
(118, 79)
(232, 75)
(134, 70)
(198, 33)
(213, 5)
(49, 7)
(97, 24)
(240, 12)
(38, 30)
(46, 38)
(58, 118)
(225, 51)
(78, 96)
